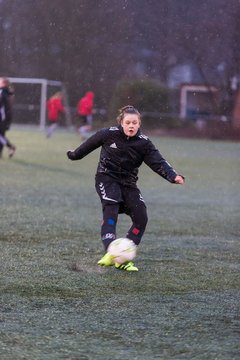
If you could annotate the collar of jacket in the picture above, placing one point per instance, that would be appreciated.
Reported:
(127, 137)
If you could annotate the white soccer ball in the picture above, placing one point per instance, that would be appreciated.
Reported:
(123, 250)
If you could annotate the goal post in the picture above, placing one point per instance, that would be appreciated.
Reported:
(196, 100)
(44, 84)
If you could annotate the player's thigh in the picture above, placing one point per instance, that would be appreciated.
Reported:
(108, 191)
(134, 202)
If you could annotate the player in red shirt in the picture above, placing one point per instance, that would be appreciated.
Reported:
(84, 112)
(54, 108)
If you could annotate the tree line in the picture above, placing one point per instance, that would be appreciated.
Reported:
(94, 44)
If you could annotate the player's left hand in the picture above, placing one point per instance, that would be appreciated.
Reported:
(179, 179)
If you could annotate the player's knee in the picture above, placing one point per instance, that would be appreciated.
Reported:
(110, 212)
(142, 221)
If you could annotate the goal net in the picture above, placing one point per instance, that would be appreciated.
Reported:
(30, 100)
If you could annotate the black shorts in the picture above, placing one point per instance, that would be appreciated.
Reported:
(111, 192)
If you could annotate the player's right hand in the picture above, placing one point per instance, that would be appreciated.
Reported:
(70, 154)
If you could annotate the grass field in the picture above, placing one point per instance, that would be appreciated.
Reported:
(56, 303)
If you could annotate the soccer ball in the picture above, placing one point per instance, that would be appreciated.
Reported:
(123, 250)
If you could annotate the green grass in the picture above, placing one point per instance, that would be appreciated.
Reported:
(56, 303)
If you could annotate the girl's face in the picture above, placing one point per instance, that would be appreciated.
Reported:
(130, 124)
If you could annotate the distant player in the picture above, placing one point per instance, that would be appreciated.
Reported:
(85, 113)
(124, 149)
(54, 109)
(6, 97)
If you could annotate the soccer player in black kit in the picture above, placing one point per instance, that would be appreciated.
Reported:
(6, 95)
(124, 149)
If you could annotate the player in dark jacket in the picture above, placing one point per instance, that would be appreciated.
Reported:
(124, 149)
(6, 95)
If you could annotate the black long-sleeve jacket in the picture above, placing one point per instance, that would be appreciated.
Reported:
(121, 156)
(5, 108)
